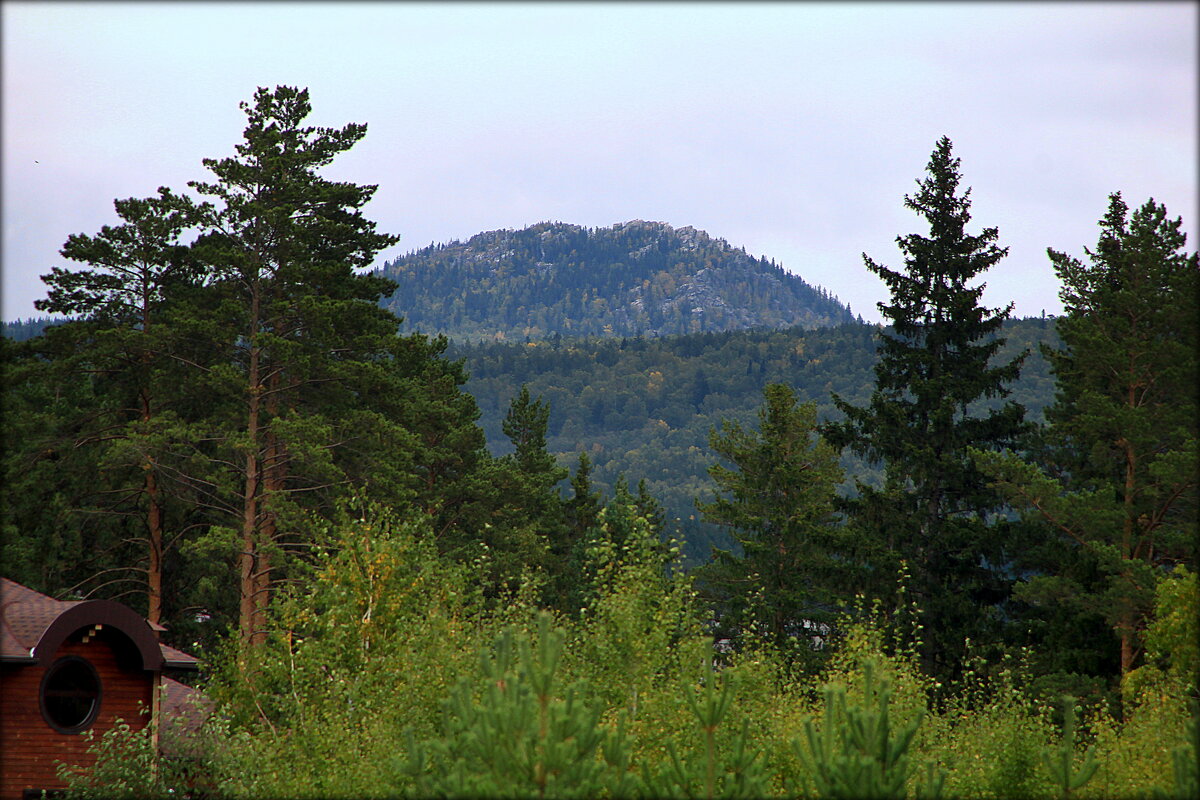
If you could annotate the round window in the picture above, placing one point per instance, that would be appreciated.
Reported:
(70, 695)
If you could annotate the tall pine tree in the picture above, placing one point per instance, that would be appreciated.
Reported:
(936, 361)
(284, 245)
(1117, 479)
(119, 342)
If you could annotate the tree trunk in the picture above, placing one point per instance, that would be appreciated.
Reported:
(1128, 651)
(1127, 628)
(154, 513)
(272, 485)
(249, 560)
(154, 570)
(154, 528)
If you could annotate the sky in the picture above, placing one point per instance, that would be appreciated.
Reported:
(791, 129)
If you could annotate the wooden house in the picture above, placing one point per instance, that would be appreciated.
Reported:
(68, 667)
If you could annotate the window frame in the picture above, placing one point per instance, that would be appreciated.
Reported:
(51, 672)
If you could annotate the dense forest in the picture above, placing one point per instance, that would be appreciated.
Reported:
(643, 408)
(20, 330)
(958, 552)
(633, 279)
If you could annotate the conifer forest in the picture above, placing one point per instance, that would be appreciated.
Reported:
(572, 512)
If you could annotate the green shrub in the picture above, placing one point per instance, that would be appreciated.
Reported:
(857, 753)
(127, 766)
(1060, 760)
(515, 732)
(707, 769)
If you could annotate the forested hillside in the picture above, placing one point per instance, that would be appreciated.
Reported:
(643, 408)
(20, 330)
(633, 279)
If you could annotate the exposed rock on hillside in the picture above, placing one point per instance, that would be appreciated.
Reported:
(635, 278)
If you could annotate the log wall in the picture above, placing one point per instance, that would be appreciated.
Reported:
(29, 747)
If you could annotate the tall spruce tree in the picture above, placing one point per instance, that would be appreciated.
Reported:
(1117, 477)
(531, 517)
(581, 515)
(935, 362)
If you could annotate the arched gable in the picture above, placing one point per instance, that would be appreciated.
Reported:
(101, 612)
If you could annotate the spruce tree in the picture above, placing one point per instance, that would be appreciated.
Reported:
(583, 508)
(531, 514)
(777, 499)
(935, 362)
(581, 516)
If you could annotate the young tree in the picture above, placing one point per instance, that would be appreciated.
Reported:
(525, 426)
(583, 509)
(777, 499)
(581, 516)
(531, 518)
(934, 364)
(1118, 478)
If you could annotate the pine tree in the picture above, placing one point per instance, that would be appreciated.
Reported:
(284, 244)
(120, 342)
(934, 363)
(254, 369)
(1117, 483)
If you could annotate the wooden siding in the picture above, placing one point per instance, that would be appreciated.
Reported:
(29, 747)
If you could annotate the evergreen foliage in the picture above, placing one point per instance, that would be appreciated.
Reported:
(938, 359)
(20, 330)
(405, 613)
(518, 733)
(703, 772)
(283, 245)
(1115, 481)
(1060, 759)
(390, 676)
(119, 336)
(186, 434)
(857, 754)
(644, 407)
(777, 499)
(633, 279)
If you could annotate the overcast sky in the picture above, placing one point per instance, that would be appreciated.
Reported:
(791, 129)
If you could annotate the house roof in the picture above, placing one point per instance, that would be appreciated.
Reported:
(34, 625)
(184, 712)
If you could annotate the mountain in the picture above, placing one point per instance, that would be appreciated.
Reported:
(634, 279)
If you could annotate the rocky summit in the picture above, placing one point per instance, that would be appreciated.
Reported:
(635, 278)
